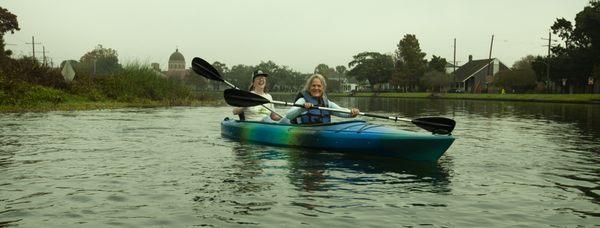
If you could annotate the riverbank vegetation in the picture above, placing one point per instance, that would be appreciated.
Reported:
(98, 80)
(572, 67)
(561, 98)
(133, 86)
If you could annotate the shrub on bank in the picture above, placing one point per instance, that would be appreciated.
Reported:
(25, 94)
(28, 70)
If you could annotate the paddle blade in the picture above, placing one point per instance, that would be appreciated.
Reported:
(241, 98)
(437, 125)
(201, 67)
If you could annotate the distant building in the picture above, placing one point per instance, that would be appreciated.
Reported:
(349, 84)
(176, 68)
(155, 66)
(450, 68)
(476, 76)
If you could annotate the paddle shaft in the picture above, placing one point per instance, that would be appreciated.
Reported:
(395, 118)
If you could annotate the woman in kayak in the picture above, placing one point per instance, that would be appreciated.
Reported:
(313, 95)
(259, 112)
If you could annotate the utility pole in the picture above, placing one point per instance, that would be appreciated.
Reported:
(490, 56)
(454, 65)
(44, 55)
(33, 43)
(489, 76)
(548, 59)
(454, 58)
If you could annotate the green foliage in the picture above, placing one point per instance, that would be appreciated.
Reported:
(281, 78)
(285, 79)
(324, 70)
(136, 82)
(577, 58)
(87, 87)
(241, 76)
(437, 63)
(26, 83)
(519, 80)
(436, 80)
(411, 63)
(221, 67)
(539, 67)
(28, 70)
(8, 23)
(341, 69)
(196, 81)
(524, 63)
(372, 66)
(26, 94)
(100, 62)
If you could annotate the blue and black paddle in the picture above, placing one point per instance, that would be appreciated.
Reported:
(437, 125)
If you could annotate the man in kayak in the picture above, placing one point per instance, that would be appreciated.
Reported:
(259, 112)
(313, 95)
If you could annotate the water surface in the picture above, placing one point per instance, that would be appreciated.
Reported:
(513, 164)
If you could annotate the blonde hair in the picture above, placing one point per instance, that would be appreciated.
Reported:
(311, 78)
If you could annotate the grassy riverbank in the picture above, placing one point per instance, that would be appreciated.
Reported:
(78, 105)
(562, 98)
(134, 86)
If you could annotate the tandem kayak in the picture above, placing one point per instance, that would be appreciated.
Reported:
(354, 136)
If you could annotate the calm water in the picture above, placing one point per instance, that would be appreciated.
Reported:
(513, 164)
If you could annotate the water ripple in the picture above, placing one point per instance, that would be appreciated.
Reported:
(513, 164)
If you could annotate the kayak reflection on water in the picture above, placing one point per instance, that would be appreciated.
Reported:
(315, 170)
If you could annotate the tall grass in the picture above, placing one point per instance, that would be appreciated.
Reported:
(19, 93)
(140, 81)
(135, 83)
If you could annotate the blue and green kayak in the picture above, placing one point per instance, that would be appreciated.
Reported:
(355, 136)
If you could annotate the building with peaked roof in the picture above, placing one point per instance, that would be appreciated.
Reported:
(476, 76)
(349, 84)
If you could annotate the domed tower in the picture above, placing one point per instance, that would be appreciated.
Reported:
(176, 67)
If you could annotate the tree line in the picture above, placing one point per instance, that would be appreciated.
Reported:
(574, 63)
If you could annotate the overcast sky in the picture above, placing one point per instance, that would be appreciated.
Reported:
(300, 34)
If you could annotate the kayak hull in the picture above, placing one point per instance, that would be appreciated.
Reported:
(349, 136)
